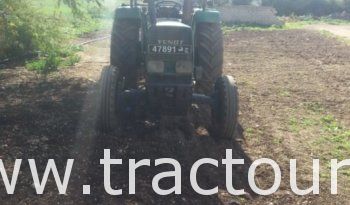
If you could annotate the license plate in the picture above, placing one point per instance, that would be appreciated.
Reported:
(166, 49)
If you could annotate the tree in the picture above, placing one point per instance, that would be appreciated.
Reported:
(241, 2)
(75, 4)
(27, 32)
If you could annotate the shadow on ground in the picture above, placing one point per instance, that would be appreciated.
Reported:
(55, 119)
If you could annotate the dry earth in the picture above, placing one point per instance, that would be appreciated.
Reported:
(339, 30)
(285, 79)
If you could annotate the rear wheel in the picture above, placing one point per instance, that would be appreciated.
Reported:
(225, 108)
(126, 50)
(209, 55)
(108, 101)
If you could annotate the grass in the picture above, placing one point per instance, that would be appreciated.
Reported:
(249, 132)
(245, 27)
(92, 18)
(329, 34)
(290, 23)
(284, 93)
(45, 65)
(61, 58)
(334, 143)
(72, 26)
(315, 107)
(278, 140)
(310, 20)
(52, 63)
(322, 134)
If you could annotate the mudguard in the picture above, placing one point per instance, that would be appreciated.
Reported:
(127, 12)
(206, 16)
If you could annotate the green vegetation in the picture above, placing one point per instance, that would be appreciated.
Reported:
(308, 7)
(322, 133)
(40, 32)
(66, 57)
(292, 22)
(245, 27)
(315, 107)
(301, 7)
(45, 65)
(334, 143)
(249, 132)
(329, 34)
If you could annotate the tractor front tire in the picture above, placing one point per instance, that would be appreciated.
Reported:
(209, 55)
(107, 120)
(225, 109)
(125, 49)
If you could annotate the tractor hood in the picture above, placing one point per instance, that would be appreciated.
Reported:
(170, 33)
(171, 37)
(169, 23)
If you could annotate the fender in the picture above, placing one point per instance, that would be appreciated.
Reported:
(206, 16)
(127, 12)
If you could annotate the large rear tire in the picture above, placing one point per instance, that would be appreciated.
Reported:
(125, 49)
(225, 109)
(107, 120)
(209, 55)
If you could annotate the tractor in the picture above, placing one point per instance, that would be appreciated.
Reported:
(166, 56)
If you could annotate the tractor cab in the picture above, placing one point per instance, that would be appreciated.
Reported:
(168, 9)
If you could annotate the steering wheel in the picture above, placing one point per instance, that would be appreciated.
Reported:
(167, 3)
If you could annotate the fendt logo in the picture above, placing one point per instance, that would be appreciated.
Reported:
(171, 42)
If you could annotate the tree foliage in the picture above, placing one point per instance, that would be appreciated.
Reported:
(308, 7)
(75, 5)
(303, 7)
(26, 31)
(241, 2)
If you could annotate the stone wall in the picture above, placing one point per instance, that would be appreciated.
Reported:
(247, 14)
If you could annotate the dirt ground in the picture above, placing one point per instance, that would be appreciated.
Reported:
(339, 30)
(284, 77)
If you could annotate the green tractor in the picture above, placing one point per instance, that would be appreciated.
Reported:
(167, 55)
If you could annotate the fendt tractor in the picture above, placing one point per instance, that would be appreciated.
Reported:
(166, 56)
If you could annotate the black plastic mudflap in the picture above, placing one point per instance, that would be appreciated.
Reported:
(169, 99)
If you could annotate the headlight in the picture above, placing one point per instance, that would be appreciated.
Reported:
(184, 67)
(155, 66)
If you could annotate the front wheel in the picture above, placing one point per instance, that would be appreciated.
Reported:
(107, 119)
(225, 108)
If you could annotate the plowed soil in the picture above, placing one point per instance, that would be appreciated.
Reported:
(279, 73)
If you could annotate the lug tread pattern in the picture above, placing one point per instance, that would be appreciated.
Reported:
(125, 49)
(226, 117)
(108, 91)
(209, 48)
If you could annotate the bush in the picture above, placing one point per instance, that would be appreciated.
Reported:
(241, 2)
(45, 65)
(54, 60)
(71, 60)
(26, 31)
(30, 30)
